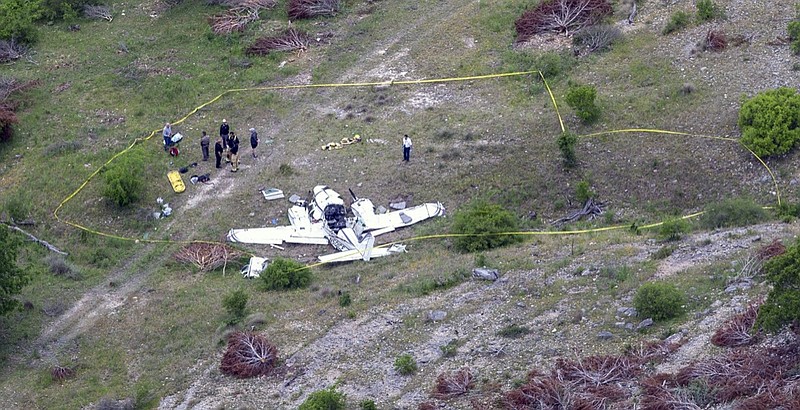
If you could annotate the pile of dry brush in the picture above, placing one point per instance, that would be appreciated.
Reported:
(206, 256)
(306, 9)
(10, 89)
(560, 16)
(289, 40)
(248, 355)
(239, 15)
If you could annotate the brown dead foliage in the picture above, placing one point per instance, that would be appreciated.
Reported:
(775, 248)
(289, 40)
(60, 373)
(561, 16)
(248, 355)
(454, 384)
(738, 331)
(240, 14)
(715, 40)
(10, 89)
(306, 9)
(207, 256)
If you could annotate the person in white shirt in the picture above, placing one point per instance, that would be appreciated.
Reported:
(406, 147)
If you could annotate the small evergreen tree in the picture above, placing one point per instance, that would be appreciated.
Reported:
(328, 399)
(566, 144)
(235, 304)
(478, 221)
(659, 300)
(283, 274)
(581, 99)
(12, 279)
(770, 121)
(782, 306)
(124, 182)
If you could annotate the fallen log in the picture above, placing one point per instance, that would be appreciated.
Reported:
(591, 210)
(37, 240)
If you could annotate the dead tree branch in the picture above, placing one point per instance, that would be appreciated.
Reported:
(11, 50)
(591, 210)
(289, 40)
(206, 256)
(100, 12)
(738, 331)
(306, 9)
(454, 384)
(248, 355)
(561, 16)
(239, 16)
(37, 240)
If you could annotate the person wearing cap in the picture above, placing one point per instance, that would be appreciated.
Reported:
(233, 151)
(224, 130)
(205, 141)
(406, 147)
(167, 133)
(253, 141)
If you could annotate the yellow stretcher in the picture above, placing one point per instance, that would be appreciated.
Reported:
(176, 181)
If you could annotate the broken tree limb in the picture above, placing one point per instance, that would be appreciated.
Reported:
(37, 240)
(591, 210)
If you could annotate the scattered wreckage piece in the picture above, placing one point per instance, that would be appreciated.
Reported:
(254, 268)
(272, 193)
(486, 273)
(591, 209)
(324, 220)
(206, 256)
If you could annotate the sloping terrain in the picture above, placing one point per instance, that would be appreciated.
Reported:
(147, 328)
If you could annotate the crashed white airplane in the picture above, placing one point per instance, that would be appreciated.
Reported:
(324, 220)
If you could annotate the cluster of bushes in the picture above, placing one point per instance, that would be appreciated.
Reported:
(770, 121)
(732, 212)
(123, 178)
(659, 301)
(794, 32)
(707, 10)
(283, 274)
(18, 17)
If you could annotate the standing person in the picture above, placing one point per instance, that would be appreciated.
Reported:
(224, 130)
(218, 150)
(254, 141)
(167, 133)
(233, 151)
(205, 140)
(406, 147)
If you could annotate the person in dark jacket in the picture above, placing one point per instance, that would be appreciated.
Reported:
(205, 141)
(254, 141)
(224, 131)
(218, 150)
(233, 151)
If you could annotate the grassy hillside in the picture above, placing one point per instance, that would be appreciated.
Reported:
(136, 324)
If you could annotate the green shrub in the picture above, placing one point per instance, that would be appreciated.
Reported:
(427, 285)
(707, 10)
(659, 300)
(782, 306)
(513, 331)
(794, 30)
(123, 178)
(66, 10)
(235, 303)
(770, 121)
(732, 212)
(328, 399)
(583, 191)
(581, 99)
(345, 300)
(673, 229)
(677, 21)
(284, 273)
(12, 278)
(18, 206)
(566, 144)
(367, 405)
(59, 266)
(405, 364)
(479, 221)
(17, 19)
(553, 64)
(451, 348)
(663, 252)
